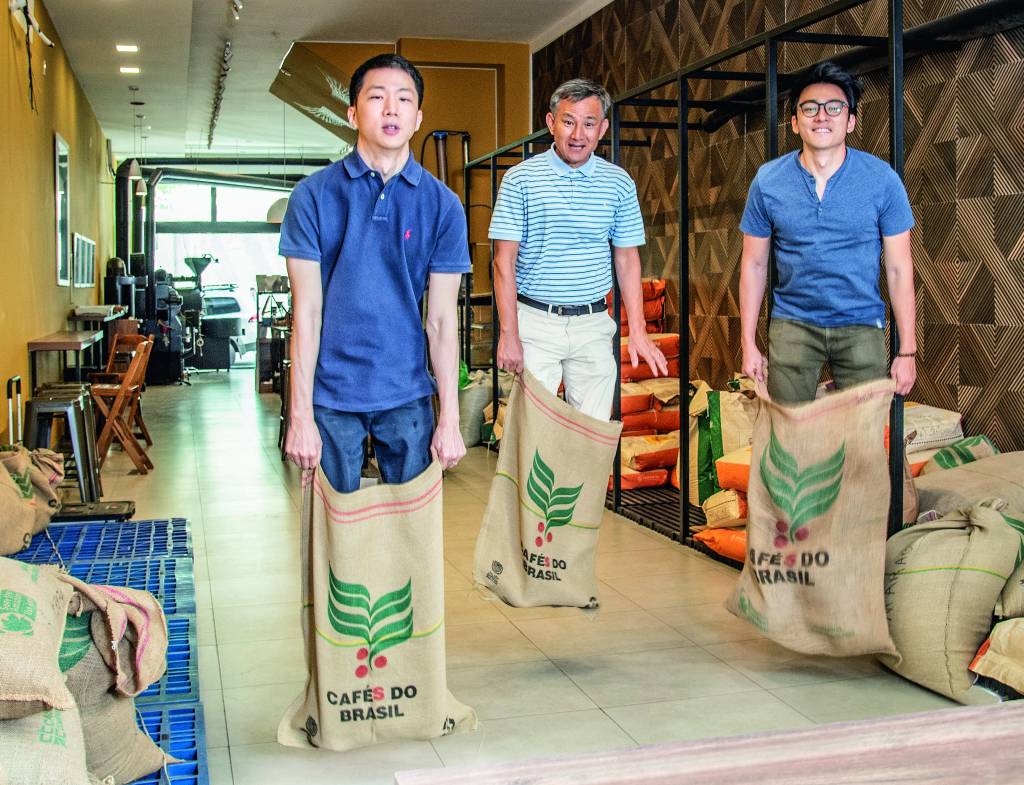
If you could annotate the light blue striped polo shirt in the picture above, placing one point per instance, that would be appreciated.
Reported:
(562, 219)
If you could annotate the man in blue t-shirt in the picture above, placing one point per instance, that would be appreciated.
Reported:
(829, 211)
(362, 237)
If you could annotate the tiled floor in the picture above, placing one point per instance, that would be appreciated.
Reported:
(662, 661)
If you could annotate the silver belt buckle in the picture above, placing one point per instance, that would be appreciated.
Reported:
(559, 310)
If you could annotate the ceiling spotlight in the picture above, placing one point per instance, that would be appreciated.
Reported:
(130, 69)
(127, 48)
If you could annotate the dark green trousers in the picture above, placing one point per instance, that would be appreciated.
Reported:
(797, 352)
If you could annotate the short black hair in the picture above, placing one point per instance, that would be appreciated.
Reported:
(827, 73)
(384, 61)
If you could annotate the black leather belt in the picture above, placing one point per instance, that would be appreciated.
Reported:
(563, 310)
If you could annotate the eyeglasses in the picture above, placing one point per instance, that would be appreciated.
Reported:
(832, 108)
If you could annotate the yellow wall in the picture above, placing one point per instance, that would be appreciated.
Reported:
(31, 303)
(476, 86)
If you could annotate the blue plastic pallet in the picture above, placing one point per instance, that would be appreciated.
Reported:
(180, 684)
(110, 541)
(180, 732)
(170, 580)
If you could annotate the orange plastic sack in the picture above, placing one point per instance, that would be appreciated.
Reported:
(666, 420)
(632, 480)
(641, 432)
(643, 371)
(635, 402)
(641, 421)
(731, 543)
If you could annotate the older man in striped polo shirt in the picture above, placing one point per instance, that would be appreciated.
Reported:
(555, 216)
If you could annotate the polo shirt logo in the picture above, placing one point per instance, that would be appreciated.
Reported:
(408, 233)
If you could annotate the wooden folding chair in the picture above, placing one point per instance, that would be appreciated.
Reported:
(122, 350)
(118, 403)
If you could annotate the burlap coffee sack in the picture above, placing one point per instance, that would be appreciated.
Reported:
(130, 631)
(942, 581)
(540, 527)
(725, 509)
(45, 748)
(114, 745)
(33, 608)
(818, 506)
(1010, 604)
(965, 451)
(999, 476)
(373, 618)
(1001, 657)
(37, 474)
(17, 515)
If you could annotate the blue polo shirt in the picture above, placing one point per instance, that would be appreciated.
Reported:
(376, 244)
(827, 251)
(563, 219)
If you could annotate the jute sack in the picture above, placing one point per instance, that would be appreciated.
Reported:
(964, 451)
(37, 474)
(539, 534)
(941, 584)
(1010, 604)
(720, 421)
(818, 506)
(114, 745)
(45, 748)
(373, 618)
(1001, 657)
(33, 604)
(999, 476)
(725, 509)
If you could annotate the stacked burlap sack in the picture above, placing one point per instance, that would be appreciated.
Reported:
(28, 494)
(72, 659)
(475, 393)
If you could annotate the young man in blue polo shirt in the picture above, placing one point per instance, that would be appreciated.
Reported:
(362, 237)
(829, 211)
(552, 223)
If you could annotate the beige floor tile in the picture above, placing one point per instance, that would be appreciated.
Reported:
(583, 635)
(523, 738)
(470, 606)
(611, 602)
(697, 586)
(219, 763)
(707, 624)
(213, 714)
(488, 643)
(664, 560)
(209, 668)
(263, 622)
(457, 578)
(256, 589)
(516, 689)
(256, 561)
(771, 665)
(206, 631)
(653, 676)
(703, 718)
(860, 699)
(265, 662)
(271, 764)
(253, 713)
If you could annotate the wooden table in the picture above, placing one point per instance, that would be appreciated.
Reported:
(97, 355)
(63, 341)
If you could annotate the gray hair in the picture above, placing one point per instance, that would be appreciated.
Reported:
(576, 90)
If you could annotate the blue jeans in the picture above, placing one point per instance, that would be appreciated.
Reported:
(401, 441)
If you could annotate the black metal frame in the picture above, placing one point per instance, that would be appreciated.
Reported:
(652, 512)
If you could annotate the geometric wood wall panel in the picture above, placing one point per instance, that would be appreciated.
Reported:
(964, 173)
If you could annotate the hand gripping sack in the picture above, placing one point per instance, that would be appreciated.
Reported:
(818, 503)
(373, 618)
(540, 528)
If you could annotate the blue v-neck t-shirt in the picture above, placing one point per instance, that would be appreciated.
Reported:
(828, 250)
(376, 244)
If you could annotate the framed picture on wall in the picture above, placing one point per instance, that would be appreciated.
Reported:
(83, 260)
(62, 217)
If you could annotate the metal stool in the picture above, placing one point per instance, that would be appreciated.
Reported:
(73, 404)
(63, 389)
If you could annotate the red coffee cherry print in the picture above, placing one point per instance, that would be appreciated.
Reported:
(540, 527)
(549, 536)
(362, 654)
(802, 533)
(539, 542)
(781, 527)
(380, 661)
(790, 559)
(361, 672)
(780, 541)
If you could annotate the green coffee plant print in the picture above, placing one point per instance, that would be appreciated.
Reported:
(76, 642)
(800, 494)
(555, 504)
(24, 483)
(17, 613)
(380, 625)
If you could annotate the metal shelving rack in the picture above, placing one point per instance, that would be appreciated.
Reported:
(665, 509)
